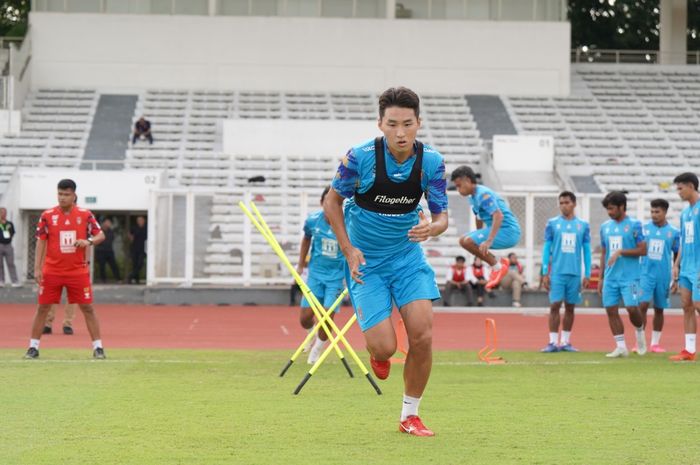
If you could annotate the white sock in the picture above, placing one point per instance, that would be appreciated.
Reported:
(565, 337)
(655, 338)
(497, 266)
(690, 342)
(620, 341)
(34, 343)
(97, 343)
(640, 333)
(410, 406)
(553, 337)
(318, 345)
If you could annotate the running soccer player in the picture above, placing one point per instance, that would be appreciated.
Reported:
(502, 230)
(663, 240)
(622, 242)
(326, 272)
(685, 270)
(567, 239)
(379, 230)
(63, 235)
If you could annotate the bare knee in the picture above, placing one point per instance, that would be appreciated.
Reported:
(87, 309)
(306, 318)
(43, 309)
(421, 340)
(467, 242)
(612, 311)
(382, 350)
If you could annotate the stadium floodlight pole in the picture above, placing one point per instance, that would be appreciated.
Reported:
(316, 307)
(308, 337)
(325, 354)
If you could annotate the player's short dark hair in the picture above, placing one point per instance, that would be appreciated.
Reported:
(686, 178)
(615, 198)
(325, 191)
(460, 258)
(660, 203)
(64, 184)
(465, 172)
(568, 194)
(401, 97)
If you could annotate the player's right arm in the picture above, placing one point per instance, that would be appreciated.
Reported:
(343, 186)
(333, 209)
(602, 270)
(305, 246)
(546, 251)
(39, 256)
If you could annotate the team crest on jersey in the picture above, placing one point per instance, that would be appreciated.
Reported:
(669, 234)
(558, 226)
(627, 228)
(54, 220)
(578, 227)
(78, 220)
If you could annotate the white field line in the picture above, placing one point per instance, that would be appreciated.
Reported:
(224, 362)
(535, 311)
(284, 329)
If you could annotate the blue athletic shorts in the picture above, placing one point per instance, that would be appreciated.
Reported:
(686, 281)
(614, 291)
(656, 290)
(325, 292)
(506, 238)
(391, 280)
(565, 288)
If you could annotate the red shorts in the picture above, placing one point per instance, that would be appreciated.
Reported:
(78, 288)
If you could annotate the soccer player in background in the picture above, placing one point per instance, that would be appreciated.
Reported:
(685, 270)
(379, 230)
(567, 239)
(501, 230)
(622, 242)
(326, 272)
(63, 235)
(663, 240)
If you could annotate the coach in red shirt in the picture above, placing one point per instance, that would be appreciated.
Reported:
(63, 235)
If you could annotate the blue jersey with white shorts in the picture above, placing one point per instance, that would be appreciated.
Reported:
(396, 269)
(485, 203)
(568, 239)
(690, 249)
(621, 281)
(327, 263)
(662, 243)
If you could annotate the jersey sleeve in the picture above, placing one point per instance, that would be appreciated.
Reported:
(436, 193)
(42, 228)
(602, 237)
(487, 203)
(548, 233)
(638, 232)
(308, 229)
(676, 243)
(93, 227)
(586, 234)
(347, 178)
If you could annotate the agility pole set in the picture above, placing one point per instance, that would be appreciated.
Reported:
(334, 333)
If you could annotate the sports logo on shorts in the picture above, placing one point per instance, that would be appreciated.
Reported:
(86, 292)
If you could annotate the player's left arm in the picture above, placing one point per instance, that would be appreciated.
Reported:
(436, 194)
(94, 232)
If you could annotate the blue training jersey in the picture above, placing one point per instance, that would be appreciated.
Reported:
(614, 236)
(568, 238)
(690, 248)
(378, 234)
(326, 262)
(662, 243)
(486, 202)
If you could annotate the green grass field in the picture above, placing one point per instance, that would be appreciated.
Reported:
(229, 407)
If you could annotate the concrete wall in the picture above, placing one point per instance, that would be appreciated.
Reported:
(299, 54)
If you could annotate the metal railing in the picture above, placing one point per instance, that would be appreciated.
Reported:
(586, 55)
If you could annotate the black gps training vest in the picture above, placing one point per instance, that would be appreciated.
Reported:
(387, 196)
